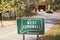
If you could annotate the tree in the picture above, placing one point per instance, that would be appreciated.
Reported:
(26, 7)
(55, 4)
(20, 7)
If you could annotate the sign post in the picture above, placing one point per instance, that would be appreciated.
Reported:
(37, 37)
(34, 26)
(23, 37)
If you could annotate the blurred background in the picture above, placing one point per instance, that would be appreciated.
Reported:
(10, 9)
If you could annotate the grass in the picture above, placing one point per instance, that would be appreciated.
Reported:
(53, 34)
(50, 37)
(58, 11)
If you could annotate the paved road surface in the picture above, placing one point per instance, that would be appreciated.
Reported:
(10, 32)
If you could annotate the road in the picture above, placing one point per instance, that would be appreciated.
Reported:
(10, 31)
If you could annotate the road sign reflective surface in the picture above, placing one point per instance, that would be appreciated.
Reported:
(30, 25)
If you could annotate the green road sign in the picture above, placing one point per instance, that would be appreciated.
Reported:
(30, 25)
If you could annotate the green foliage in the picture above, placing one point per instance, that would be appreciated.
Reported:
(55, 4)
(20, 7)
(26, 8)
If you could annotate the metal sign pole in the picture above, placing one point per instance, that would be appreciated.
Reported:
(37, 37)
(23, 37)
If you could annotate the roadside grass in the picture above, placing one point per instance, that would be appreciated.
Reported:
(53, 34)
(50, 37)
(57, 11)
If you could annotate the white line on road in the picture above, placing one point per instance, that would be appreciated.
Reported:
(2, 36)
